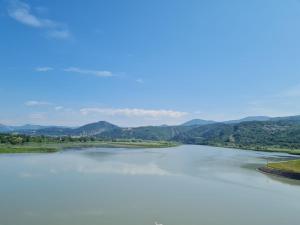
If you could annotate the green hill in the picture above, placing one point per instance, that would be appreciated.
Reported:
(91, 129)
(259, 135)
(272, 134)
(197, 122)
(157, 133)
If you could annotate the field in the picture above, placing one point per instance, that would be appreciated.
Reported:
(259, 148)
(32, 147)
(287, 166)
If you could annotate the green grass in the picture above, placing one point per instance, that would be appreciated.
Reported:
(288, 166)
(26, 149)
(54, 147)
(258, 148)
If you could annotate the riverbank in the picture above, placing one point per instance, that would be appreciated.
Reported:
(55, 147)
(258, 148)
(288, 169)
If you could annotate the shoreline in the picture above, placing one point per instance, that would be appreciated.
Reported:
(262, 149)
(279, 173)
(49, 147)
(56, 147)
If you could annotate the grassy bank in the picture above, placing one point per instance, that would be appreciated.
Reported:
(26, 149)
(287, 169)
(258, 148)
(54, 147)
(288, 166)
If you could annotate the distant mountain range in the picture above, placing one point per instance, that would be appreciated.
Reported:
(4, 128)
(94, 129)
(251, 131)
(249, 119)
(91, 129)
(86, 130)
(198, 122)
(280, 132)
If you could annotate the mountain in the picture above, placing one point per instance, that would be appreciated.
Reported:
(93, 129)
(283, 132)
(280, 133)
(295, 119)
(52, 131)
(198, 122)
(249, 118)
(4, 128)
(27, 127)
(146, 133)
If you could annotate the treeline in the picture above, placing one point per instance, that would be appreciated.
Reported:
(273, 134)
(255, 135)
(17, 139)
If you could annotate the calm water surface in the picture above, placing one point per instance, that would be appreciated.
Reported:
(190, 185)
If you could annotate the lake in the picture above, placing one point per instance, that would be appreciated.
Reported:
(190, 185)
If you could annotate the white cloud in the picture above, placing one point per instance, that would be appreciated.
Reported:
(57, 114)
(22, 13)
(133, 112)
(43, 69)
(37, 103)
(98, 73)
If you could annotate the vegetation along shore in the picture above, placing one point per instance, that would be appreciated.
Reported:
(13, 143)
(288, 169)
(281, 134)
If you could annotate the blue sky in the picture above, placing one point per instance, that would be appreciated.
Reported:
(153, 62)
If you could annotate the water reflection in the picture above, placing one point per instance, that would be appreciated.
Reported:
(184, 185)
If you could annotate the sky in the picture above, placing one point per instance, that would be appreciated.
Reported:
(138, 62)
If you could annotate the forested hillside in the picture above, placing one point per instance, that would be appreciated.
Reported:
(283, 133)
(273, 133)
